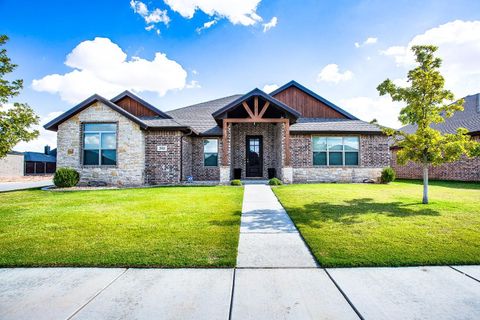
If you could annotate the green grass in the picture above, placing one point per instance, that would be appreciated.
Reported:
(151, 227)
(386, 225)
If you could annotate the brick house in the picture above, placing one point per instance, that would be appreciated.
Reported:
(291, 133)
(463, 170)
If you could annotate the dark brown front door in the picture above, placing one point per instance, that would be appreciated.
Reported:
(254, 167)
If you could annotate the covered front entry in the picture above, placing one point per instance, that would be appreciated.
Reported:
(256, 137)
(254, 157)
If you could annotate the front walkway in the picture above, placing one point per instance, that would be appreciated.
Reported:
(22, 185)
(276, 278)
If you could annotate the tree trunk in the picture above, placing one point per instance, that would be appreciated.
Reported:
(425, 183)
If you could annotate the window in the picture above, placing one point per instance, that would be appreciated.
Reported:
(210, 152)
(335, 151)
(100, 144)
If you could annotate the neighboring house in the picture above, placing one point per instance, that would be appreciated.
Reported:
(463, 170)
(12, 165)
(291, 133)
(37, 163)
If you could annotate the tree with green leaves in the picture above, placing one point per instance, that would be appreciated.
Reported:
(15, 122)
(427, 102)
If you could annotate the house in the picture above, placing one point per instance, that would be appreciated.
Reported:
(11, 165)
(40, 163)
(291, 133)
(463, 170)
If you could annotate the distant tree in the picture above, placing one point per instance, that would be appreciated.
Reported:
(15, 122)
(427, 102)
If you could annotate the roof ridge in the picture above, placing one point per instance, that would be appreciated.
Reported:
(204, 102)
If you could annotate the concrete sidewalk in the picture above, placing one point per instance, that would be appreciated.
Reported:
(22, 185)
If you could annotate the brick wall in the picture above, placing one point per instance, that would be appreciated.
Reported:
(374, 156)
(186, 157)
(163, 167)
(199, 171)
(130, 147)
(463, 170)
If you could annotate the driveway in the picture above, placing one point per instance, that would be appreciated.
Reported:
(11, 186)
(276, 278)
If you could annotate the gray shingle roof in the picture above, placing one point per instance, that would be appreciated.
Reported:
(333, 125)
(154, 122)
(469, 118)
(199, 116)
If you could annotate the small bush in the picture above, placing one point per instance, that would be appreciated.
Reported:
(66, 177)
(388, 175)
(236, 182)
(275, 182)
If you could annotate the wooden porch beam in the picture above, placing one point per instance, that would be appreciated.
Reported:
(260, 120)
(265, 106)
(247, 108)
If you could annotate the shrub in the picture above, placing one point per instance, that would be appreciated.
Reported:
(388, 175)
(236, 182)
(274, 182)
(66, 177)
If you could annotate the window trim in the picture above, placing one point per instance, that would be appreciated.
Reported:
(203, 152)
(343, 165)
(82, 145)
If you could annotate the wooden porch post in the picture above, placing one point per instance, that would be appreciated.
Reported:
(287, 143)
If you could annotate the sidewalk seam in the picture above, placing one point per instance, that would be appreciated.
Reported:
(466, 274)
(96, 295)
(233, 292)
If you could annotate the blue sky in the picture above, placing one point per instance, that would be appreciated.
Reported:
(340, 49)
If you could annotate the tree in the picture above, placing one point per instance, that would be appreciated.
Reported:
(15, 122)
(427, 103)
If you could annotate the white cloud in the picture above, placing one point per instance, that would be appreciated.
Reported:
(45, 138)
(459, 47)
(270, 88)
(271, 24)
(369, 40)
(236, 11)
(207, 25)
(367, 109)
(101, 66)
(331, 73)
(151, 17)
(193, 85)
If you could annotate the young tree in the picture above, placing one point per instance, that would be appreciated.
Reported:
(15, 122)
(427, 102)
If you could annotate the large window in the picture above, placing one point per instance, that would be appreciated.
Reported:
(210, 152)
(335, 151)
(100, 144)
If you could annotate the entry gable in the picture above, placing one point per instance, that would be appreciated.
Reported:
(256, 106)
(308, 103)
(137, 106)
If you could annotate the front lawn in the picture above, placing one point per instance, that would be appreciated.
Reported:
(386, 225)
(152, 227)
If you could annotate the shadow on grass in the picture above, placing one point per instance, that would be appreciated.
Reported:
(350, 211)
(229, 222)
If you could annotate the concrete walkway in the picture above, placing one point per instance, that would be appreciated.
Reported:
(276, 278)
(12, 186)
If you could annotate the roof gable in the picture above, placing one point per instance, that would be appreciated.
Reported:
(53, 125)
(256, 93)
(308, 103)
(137, 106)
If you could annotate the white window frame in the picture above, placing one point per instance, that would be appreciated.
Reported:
(343, 151)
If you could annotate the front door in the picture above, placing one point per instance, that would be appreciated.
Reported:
(254, 166)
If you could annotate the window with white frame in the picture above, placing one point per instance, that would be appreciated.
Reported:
(100, 144)
(335, 151)
(210, 152)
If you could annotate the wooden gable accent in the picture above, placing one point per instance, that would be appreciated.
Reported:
(135, 107)
(308, 106)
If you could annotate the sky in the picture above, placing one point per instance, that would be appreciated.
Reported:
(175, 53)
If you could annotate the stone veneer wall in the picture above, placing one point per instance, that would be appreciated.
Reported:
(199, 171)
(267, 131)
(163, 167)
(464, 169)
(130, 147)
(374, 156)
